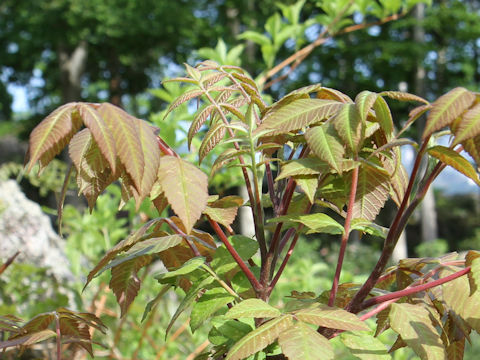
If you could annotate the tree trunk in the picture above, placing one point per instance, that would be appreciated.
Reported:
(72, 67)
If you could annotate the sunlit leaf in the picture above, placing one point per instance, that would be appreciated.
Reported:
(473, 259)
(214, 135)
(447, 108)
(326, 145)
(468, 125)
(333, 94)
(331, 317)
(298, 114)
(413, 324)
(383, 115)
(372, 192)
(364, 102)
(349, 126)
(301, 342)
(309, 184)
(50, 136)
(455, 160)
(365, 346)
(259, 338)
(369, 227)
(186, 96)
(125, 132)
(403, 96)
(472, 146)
(252, 308)
(186, 268)
(198, 121)
(100, 131)
(224, 211)
(186, 188)
(151, 155)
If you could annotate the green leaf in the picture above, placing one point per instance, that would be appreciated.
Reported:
(369, 227)
(259, 338)
(146, 247)
(372, 192)
(473, 259)
(102, 133)
(188, 267)
(317, 222)
(403, 96)
(383, 115)
(304, 166)
(456, 296)
(188, 300)
(229, 331)
(223, 262)
(254, 36)
(331, 317)
(325, 144)
(349, 126)
(297, 115)
(224, 211)
(468, 125)
(50, 136)
(455, 160)
(447, 108)
(210, 302)
(252, 308)
(413, 324)
(365, 346)
(364, 102)
(125, 282)
(198, 121)
(301, 342)
(309, 184)
(186, 188)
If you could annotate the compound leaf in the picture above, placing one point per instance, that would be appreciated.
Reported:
(326, 145)
(331, 317)
(365, 346)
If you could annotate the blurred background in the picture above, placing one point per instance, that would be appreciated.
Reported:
(58, 51)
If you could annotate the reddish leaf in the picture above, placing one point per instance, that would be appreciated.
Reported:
(100, 132)
(468, 125)
(298, 114)
(151, 155)
(125, 282)
(186, 188)
(50, 136)
(28, 339)
(224, 211)
(124, 130)
(447, 108)
(214, 135)
(372, 192)
(403, 96)
(198, 121)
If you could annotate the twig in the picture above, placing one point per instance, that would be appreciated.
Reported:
(343, 245)
(248, 273)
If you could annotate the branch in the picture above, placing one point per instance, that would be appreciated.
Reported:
(248, 273)
(343, 245)
(412, 290)
(301, 54)
(394, 233)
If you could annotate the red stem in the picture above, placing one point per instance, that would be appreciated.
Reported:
(285, 261)
(391, 240)
(248, 273)
(405, 292)
(343, 245)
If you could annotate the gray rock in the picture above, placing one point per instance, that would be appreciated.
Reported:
(25, 228)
